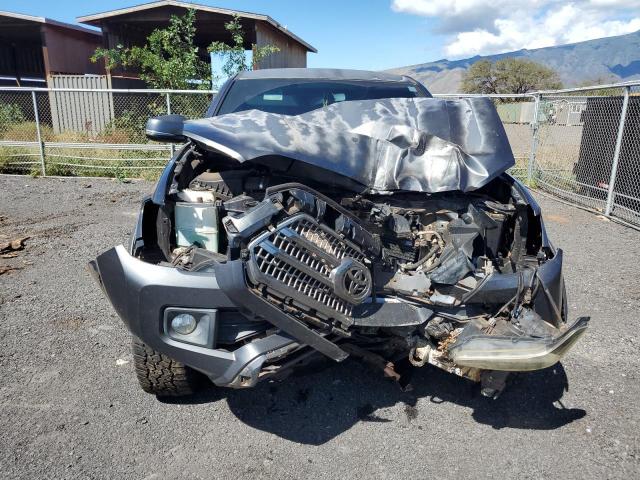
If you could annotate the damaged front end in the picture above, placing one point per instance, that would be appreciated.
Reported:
(395, 238)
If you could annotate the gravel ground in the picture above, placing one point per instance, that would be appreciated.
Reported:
(71, 407)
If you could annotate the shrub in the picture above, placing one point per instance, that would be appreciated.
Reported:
(128, 127)
(10, 113)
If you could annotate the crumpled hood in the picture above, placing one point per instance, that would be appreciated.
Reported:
(419, 145)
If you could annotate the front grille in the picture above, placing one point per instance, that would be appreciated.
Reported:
(303, 283)
(326, 240)
(284, 244)
(296, 259)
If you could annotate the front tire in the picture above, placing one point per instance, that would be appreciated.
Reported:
(163, 376)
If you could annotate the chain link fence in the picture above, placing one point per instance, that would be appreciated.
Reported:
(587, 148)
(582, 145)
(83, 132)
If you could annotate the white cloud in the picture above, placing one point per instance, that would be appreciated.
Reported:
(452, 8)
(480, 27)
(433, 8)
(615, 3)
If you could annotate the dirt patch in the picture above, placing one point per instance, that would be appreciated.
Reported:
(73, 322)
(61, 230)
(8, 268)
(550, 217)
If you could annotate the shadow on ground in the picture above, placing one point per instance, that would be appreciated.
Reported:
(314, 407)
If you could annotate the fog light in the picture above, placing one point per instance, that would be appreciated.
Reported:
(184, 324)
(196, 326)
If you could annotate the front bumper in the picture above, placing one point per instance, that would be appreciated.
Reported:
(140, 293)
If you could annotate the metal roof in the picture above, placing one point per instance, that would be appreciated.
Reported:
(48, 21)
(94, 19)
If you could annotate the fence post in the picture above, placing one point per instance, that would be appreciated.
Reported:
(168, 97)
(534, 139)
(616, 153)
(38, 133)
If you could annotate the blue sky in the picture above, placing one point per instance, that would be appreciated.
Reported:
(379, 34)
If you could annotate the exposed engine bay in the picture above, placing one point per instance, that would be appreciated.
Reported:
(396, 275)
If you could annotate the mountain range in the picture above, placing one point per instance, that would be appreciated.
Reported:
(604, 60)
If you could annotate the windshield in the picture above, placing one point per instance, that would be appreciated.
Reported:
(297, 96)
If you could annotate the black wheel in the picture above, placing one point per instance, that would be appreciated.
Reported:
(161, 375)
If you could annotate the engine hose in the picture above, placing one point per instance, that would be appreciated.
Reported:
(520, 233)
(422, 261)
(519, 292)
(513, 299)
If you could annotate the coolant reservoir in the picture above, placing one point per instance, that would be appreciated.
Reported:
(196, 196)
(197, 223)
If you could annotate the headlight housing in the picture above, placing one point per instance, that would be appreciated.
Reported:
(516, 354)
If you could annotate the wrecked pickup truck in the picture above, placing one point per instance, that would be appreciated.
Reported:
(337, 213)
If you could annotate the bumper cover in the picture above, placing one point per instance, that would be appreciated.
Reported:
(140, 292)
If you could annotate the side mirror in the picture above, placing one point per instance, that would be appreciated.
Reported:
(166, 128)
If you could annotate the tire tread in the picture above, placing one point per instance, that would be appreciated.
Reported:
(161, 375)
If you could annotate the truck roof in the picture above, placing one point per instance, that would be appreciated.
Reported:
(321, 73)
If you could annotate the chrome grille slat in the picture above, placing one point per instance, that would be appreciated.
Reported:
(298, 256)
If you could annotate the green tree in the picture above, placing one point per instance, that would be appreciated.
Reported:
(169, 59)
(510, 75)
(234, 59)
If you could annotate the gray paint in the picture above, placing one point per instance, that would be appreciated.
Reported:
(420, 144)
(139, 292)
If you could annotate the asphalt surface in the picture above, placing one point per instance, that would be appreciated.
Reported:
(71, 406)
